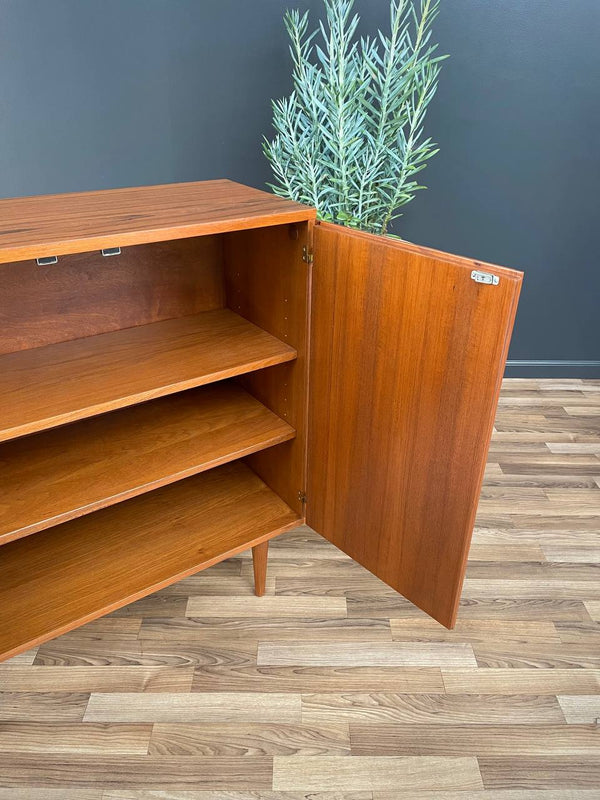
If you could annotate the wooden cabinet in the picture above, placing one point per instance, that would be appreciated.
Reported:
(235, 370)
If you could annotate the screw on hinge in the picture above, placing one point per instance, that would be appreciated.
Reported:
(307, 255)
(302, 496)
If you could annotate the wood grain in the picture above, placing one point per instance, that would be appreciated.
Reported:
(64, 473)
(248, 739)
(234, 707)
(474, 631)
(581, 708)
(276, 630)
(331, 568)
(73, 653)
(267, 282)
(256, 795)
(407, 355)
(43, 706)
(503, 714)
(529, 588)
(481, 740)
(101, 739)
(370, 604)
(579, 632)
(524, 656)
(320, 773)
(366, 654)
(50, 225)
(490, 794)
(64, 382)
(95, 561)
(15, 678)
(521, 681)
(246, 675)
(437, 709)
(28, 657)
(593, 609)
(45, 793)
(172, 773)
(86, 294)
(275, 607)
(260, 555)
(543, 772)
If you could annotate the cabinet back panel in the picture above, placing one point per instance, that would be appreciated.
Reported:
(86, 293)
(267, 283)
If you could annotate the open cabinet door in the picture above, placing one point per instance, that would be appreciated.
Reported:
(407, 356)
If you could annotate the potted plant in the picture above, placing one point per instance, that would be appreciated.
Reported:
(350, 137)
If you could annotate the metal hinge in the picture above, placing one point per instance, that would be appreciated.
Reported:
(302, 496)
(307, 255)
(485, 277)
(46, 261)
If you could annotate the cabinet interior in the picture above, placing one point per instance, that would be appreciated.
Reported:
(153, 411)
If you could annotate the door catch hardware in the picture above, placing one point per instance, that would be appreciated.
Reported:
(46, 261)
(111, 251)
(302, 497)
(307, 256)
(485, 277)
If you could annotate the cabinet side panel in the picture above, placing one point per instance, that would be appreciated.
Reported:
(86, 294)
(267, 282)
(407, 356)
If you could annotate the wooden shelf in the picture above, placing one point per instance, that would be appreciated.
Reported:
(64, 382)
(70, 574)
(64, 473)
(53, 225)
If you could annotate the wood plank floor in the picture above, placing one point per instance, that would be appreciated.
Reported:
(333, 687)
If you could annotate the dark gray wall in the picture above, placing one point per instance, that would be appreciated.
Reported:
(105, 93)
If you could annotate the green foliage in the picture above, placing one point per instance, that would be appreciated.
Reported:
(349, 139)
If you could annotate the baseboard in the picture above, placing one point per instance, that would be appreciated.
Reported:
(552, 369)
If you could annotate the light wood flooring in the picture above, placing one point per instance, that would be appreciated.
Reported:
(333, 687)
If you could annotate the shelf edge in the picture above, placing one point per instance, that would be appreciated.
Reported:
(21, 648)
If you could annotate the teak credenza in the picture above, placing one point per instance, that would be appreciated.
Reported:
(188, 370)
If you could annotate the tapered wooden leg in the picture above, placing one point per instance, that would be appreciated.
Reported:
(259, 560)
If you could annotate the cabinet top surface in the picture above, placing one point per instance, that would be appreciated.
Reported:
(47, 225)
